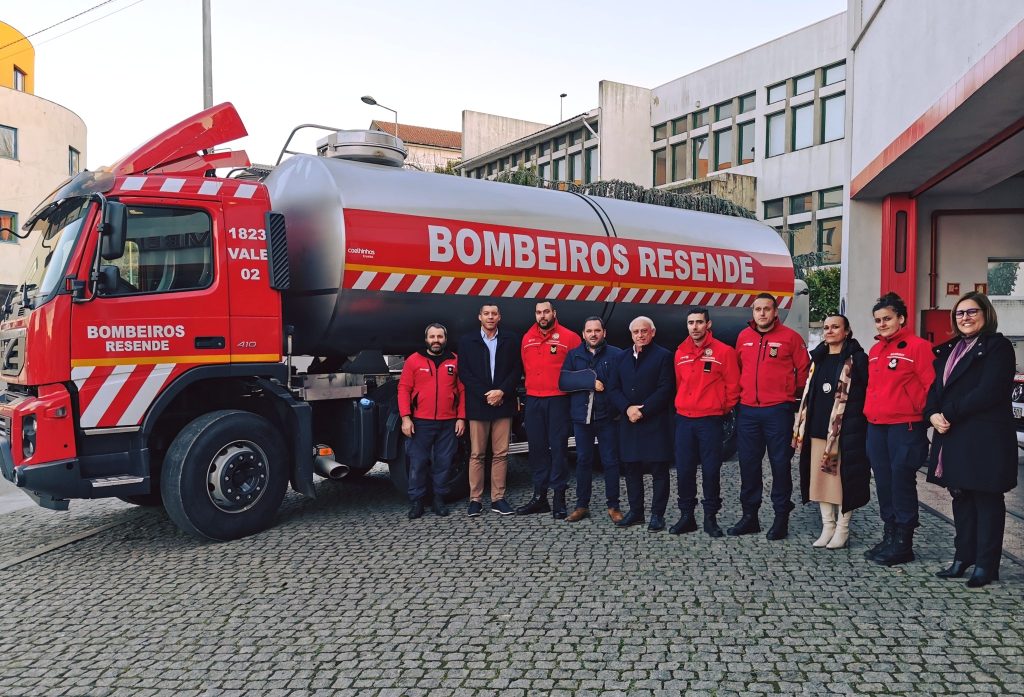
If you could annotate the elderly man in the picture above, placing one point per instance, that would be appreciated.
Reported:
(642, 389)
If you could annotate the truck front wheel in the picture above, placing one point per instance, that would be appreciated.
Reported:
(225, 475)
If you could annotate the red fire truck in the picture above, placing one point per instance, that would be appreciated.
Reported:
(148, 351)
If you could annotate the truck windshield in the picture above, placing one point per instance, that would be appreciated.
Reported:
(59, 229)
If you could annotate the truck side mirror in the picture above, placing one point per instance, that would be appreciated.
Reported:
(106, 283)
(114, 231)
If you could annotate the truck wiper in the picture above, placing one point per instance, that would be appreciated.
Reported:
(26, 301)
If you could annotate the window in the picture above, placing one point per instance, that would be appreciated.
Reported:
(167, 249)
(661, 131)
(804, 83)
(830, 240)
(802, 240)
(513, 160)
(502, 164)
(560, 143)
(1005, 277)
(8, 142)
(544, 148)
(746, 142)
(659, 167)
(490, 168)
(19, 80)
(723, 149)
(679, 126)
(799, 204)
(723, 111)
(830, 198)
(558, 169)
(776, 93)
(74, 158)
(833, 118)
(803, 126)
(679, 162)
(776, 127)
(8, 223)
(544, 171)
(834, 73)
(593, 171)
(576, 167)
(700, 118)
(574, 137)
(700, 157)
(530, 153)
(747, 103)
(773, 208)
(587, 134)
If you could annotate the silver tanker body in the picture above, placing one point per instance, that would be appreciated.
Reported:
(377, 252)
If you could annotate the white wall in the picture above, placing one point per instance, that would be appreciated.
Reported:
(45, 132)
(484, 132)
(625, 132)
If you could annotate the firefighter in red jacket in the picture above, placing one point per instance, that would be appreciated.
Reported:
(544, 349)
(773, 369)
(707, 388)
(900, 372)
(430, 401)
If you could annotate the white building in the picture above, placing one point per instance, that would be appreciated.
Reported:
(41, 144)
(426, 148)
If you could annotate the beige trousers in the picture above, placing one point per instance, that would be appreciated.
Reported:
(480, 434)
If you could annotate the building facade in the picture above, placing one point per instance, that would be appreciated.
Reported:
(41, 144)
(427, 148)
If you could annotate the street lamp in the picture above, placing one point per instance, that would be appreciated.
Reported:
(561, 102)
(367, 99)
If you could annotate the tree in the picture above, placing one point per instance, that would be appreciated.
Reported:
(823, 287)
(450, 167)
(1002, 277)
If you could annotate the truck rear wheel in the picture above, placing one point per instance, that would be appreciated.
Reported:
(225, 475)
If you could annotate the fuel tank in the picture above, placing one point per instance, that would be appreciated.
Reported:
(378, 252)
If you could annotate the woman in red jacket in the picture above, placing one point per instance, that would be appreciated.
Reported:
(899, 374)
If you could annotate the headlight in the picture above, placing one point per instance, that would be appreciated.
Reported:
(28, 436)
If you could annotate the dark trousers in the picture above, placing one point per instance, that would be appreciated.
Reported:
(607, 433)
(430, 450)
(980, 517)
(547, 432)
(699, 441)
(896, 451)
(759, 429)
(634, 472)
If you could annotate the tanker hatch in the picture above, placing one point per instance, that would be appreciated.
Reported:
(374, 147)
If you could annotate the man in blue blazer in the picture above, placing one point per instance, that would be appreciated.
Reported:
(585, 376)
(642, 389)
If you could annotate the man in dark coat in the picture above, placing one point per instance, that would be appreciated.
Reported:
(490, 368)
(642, 389)
(585, 376)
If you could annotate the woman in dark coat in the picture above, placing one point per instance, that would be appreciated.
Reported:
(974, 449)
(831, 432)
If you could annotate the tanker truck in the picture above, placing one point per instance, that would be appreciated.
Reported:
(150, 352)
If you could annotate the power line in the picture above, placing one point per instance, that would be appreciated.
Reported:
(69, 31)
(68, 19)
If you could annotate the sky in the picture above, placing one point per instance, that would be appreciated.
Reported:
(132, 68)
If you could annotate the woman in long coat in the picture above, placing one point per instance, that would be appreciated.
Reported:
(831, 432)
(974, 449)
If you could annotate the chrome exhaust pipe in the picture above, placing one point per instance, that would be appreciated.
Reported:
(329, 468)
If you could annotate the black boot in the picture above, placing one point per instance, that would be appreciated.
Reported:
(982, 577)
(538, 504)
(956, 569)
(711, 525)
(686, 523)
(901, 550)
(438, 506)
(780, 527)
(747, 525)
(558, 510)
(416, 509)
(887, 534)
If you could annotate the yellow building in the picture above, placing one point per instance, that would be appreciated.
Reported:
(41, 144)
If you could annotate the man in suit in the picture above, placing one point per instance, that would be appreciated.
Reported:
(585, 374)
(490, 368)
(642, 389)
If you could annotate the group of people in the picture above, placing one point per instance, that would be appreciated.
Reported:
(850, 414)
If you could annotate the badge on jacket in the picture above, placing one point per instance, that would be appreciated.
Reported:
(773, 352)
(451, 370)
(707, 366)
(554, 350)
(893, 363)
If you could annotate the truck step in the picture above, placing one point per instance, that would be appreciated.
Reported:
(119, 480)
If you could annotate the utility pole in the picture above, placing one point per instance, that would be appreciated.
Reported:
(207, 58)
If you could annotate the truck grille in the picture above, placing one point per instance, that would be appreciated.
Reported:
(12, 351)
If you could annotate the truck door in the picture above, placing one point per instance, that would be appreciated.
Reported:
(167, 314)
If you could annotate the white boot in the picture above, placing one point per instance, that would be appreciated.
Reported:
(842, 533)
(828, 524)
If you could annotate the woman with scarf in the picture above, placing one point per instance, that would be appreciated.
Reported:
(974, 449)
(831, 432)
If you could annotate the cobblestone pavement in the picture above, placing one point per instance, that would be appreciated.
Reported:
(347, 597)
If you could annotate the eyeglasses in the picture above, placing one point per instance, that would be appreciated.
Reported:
(960, 314)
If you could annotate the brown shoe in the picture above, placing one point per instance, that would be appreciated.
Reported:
(615, 514)
(577, 515)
